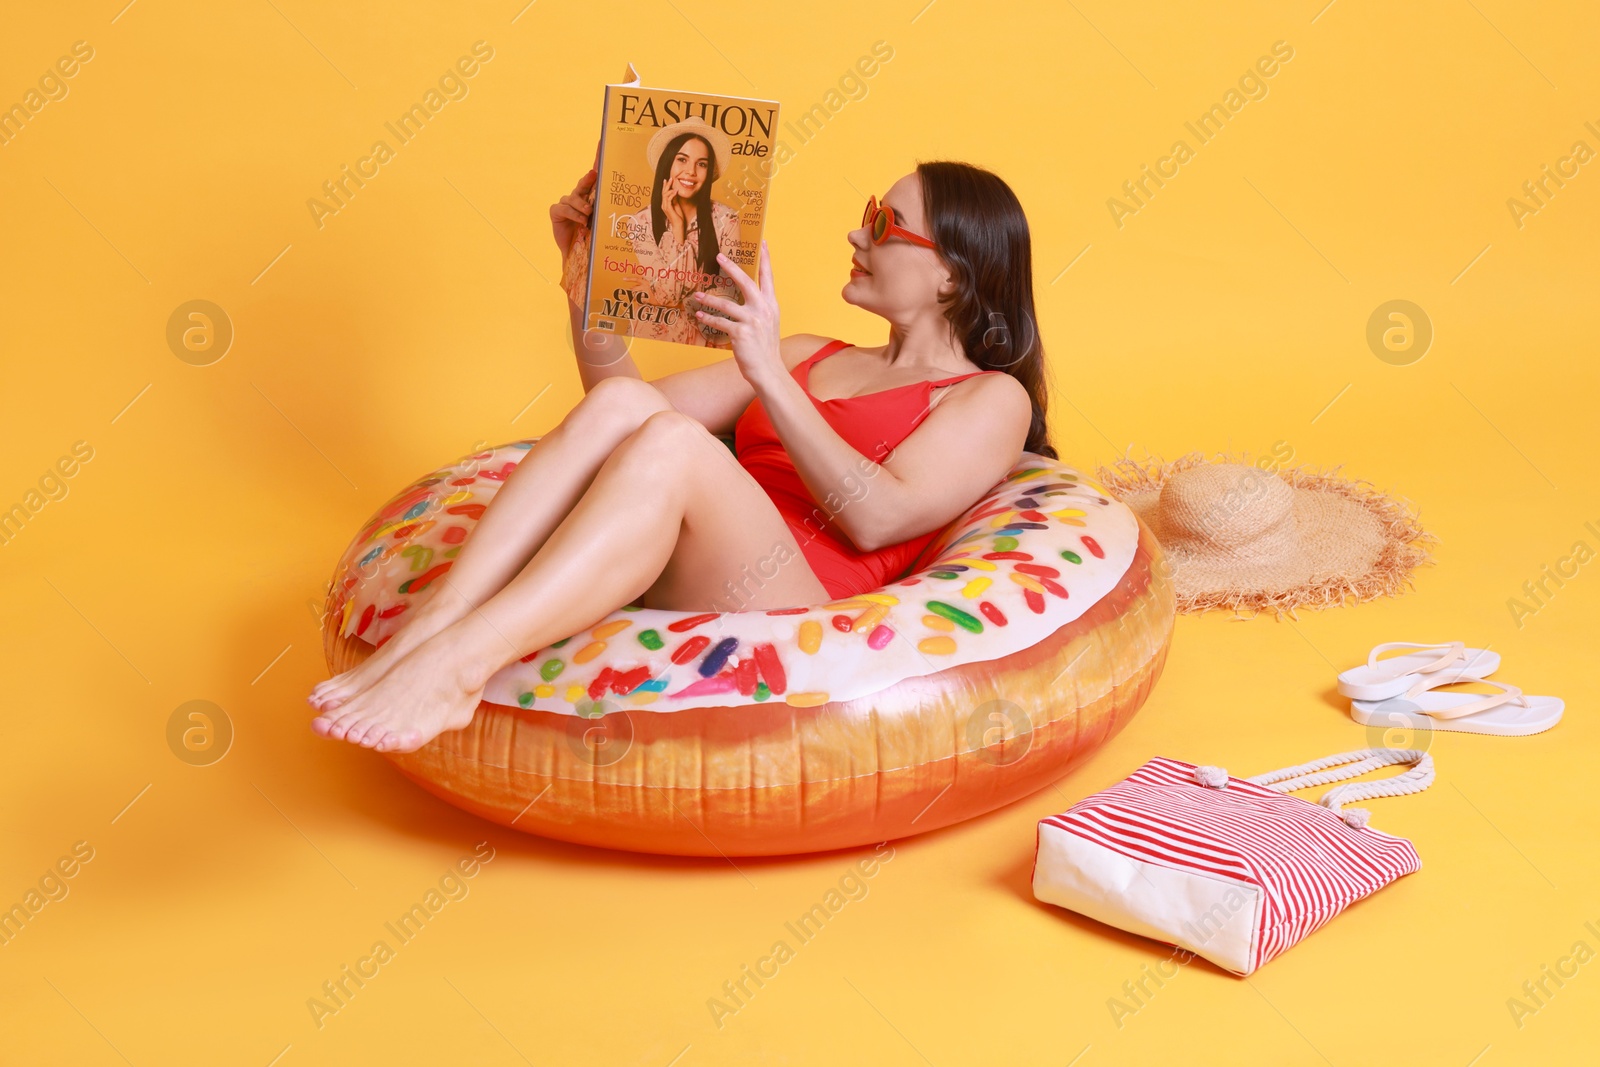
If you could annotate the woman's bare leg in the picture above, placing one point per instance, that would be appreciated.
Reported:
(669, 515)
(540, 492)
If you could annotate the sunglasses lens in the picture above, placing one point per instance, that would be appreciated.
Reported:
(880, 225)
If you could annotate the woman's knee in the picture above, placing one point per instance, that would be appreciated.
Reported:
(621, 404)
(666, 440)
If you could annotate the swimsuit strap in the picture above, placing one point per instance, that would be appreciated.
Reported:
(963, 377)
(823, 353)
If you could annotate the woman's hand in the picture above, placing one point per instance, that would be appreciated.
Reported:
(751, 326)
(573, 210)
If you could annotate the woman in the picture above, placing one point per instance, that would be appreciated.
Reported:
(677, 236)
(631, 499)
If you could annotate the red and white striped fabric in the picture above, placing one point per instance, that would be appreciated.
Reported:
(1231, 869)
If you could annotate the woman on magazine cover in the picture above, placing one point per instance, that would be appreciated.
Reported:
(679, 235)
(849, 459)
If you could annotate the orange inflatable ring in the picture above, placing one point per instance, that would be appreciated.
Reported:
(1026, 635)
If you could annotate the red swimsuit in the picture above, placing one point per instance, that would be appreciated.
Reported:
(873, 425)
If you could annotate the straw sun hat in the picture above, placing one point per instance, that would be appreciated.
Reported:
(721, 147)
(1240, 535)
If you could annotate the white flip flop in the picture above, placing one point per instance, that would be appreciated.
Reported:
(1509, 713)
(1380, 679)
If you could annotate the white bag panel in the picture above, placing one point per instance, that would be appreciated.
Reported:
(1210, 916)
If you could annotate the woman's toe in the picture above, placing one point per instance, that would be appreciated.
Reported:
(341, 726)
(364, 733)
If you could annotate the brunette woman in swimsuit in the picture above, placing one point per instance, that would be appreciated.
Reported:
(849, 459)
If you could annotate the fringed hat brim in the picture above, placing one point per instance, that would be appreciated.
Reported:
(1403, 542)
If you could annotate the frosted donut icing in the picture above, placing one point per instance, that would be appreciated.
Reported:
(1031, 556)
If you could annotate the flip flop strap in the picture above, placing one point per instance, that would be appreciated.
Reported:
(1453, 651)
(1508, 694)
(1350, 765)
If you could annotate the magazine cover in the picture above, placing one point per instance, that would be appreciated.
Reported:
(682, 177)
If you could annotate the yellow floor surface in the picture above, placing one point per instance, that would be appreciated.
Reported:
(185, 556)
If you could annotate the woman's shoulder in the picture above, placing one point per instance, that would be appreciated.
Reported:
(799, 347)
(720, 211)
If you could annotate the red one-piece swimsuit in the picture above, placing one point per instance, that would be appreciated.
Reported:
(873, 425)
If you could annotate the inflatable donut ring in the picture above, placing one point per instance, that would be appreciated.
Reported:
(1026, 635)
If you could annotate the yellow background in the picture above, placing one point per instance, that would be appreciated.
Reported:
(188, 556)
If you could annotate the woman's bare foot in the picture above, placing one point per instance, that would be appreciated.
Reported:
(434, 688)
(435, 614)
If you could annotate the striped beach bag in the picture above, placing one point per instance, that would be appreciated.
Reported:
(1232, 869)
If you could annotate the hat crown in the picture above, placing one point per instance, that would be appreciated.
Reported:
(1228, 506)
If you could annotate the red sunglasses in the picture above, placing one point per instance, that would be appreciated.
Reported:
(878, 220)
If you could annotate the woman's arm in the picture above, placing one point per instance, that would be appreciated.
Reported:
(716, 394)
(960, 451)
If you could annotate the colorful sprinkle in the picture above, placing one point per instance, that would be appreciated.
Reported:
(589, 652)
(524, 699)
(650, 639)
(717, 656)
(421, 581)
(810, 636)
(1006, 555)
(981, 564)
(955, 615)
(420, 556)
(551, 668)
(842, 623)
(771, 667)
(1026, 582)
(788, 611)
(943, 574)
(1034, 600)
(881, 635)
(762, 692)
(992, 613)
(1002, 544)
(691, 622)
(574, 693)
(561, 642)
(744, 676)
(938, 622)
(719, 684)
(974, 589)
(1038, 569)
(806, 700)
(690, 648)
(607, 629)
(870, 618)
(543, 691)
(937, 646)
(1071, 556)
(1093, 546)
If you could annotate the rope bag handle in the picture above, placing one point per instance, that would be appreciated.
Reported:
(1337, 768)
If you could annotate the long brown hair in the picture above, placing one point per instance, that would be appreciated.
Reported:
(982, 234)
